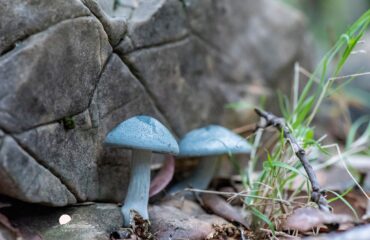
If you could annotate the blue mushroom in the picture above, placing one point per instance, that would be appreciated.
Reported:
(144, 135)
(208, 142)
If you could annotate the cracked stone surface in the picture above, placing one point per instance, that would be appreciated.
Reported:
(20, 19)
(30, 69)
(114, 27)
(23, 178)
(156, 22)
(72, 70)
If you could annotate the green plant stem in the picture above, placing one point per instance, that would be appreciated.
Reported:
(253, 159)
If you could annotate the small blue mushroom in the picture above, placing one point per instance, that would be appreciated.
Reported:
(144, 135)
(208, 142)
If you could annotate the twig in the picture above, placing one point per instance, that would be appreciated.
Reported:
(278, 234)
(317, 196)
(236, 195)
(351, 76)
(242, 233)
(245, 128)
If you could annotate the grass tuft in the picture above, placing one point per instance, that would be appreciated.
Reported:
(281, 167)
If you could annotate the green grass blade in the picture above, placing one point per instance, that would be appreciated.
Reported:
(340, 197)
(263, 218)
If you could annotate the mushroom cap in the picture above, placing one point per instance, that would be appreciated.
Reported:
(143, 132)
(212, 140)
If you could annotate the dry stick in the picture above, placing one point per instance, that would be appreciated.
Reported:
(237, 195)
(317, 195)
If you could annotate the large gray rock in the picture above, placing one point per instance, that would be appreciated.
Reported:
(70, 71)
(118, 96)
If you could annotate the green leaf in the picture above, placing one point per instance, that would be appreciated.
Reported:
(340, 197)
(264, 218)
(286, 166)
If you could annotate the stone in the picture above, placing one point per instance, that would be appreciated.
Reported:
(21, 19)
(31, 68)
(72, 70)
(77, 155)
(170, 222)
(23, 178)
(157, 21)
(114, 27)
(358, 232)
(124, 46)
(97, 221)
(107, 6)
(242, 34)
(67, 151)
(93, 222)
(123, 12)
(171, 79)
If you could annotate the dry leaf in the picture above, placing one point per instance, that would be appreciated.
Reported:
(355, 198)
(304, 219)
(169, 222)
(356, 233)
(224, 231)
(220, 207)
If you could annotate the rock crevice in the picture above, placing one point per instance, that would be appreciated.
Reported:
(51, 171)
(26, 177)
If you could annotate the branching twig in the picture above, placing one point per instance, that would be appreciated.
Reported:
(317, 196)
(231, 194)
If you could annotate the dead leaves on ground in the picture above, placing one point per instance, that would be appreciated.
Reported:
(226, 232)
(220, 207)
(306, 219)
(357, 233)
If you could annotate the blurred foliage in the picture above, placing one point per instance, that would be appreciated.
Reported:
(281, 167)
(328, 19)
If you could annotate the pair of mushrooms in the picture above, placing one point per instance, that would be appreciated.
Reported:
(144, 135)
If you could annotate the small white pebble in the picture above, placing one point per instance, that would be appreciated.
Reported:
(64, 219)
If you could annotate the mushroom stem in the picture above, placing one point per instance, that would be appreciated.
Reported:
(138, 190)
(200, 178)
